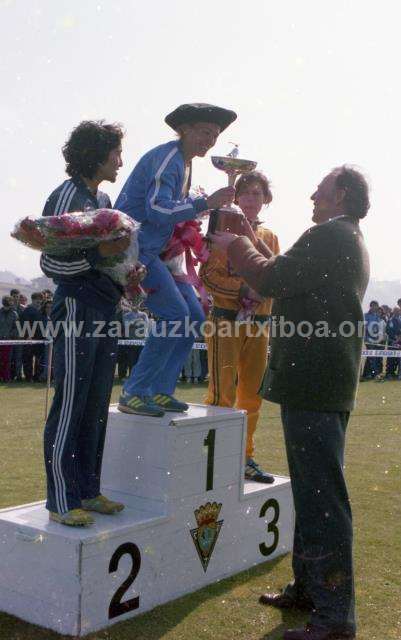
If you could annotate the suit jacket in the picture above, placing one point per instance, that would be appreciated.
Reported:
(318, 287)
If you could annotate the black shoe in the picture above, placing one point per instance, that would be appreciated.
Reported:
(282, 601)
(255, 473)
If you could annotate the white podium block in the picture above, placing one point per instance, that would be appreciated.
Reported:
(190, 519)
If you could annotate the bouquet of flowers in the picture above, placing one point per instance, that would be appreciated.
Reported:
(57, 235)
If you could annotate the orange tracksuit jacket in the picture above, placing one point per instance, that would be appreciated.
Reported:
(238, 361)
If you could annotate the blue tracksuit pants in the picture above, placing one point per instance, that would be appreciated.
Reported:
(179, 316)
(75, 429)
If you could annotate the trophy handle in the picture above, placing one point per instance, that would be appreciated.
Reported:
(213, 221)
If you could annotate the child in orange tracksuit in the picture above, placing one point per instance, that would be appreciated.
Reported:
(237, 361)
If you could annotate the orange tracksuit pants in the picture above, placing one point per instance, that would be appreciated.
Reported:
(236, 366)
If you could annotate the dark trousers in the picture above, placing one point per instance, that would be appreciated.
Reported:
(204, 363)
(393, 364)
(76, 427)
(373, 366)
(31, 356)
(127, 357)
(322, 553)
(16, 362)
(5, 363)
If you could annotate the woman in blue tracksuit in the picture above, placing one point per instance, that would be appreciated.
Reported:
(156, 195)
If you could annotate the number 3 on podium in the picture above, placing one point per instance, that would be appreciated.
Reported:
(271, 526)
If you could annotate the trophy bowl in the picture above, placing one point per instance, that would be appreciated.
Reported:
(230, 218)
(227, 219)
(233, 165)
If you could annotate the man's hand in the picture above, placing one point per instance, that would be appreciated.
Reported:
(247, 292)
(109, 248)
(220, 197)
(222, 239)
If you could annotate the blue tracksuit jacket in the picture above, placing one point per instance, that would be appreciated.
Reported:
(152, 195)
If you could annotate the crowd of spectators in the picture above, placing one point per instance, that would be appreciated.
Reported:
(382, 331)
(29, 361)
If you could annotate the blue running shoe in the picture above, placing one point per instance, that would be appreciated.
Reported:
(140, 405)
(168, 403)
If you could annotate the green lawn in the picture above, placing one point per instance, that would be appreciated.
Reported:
(229, 610)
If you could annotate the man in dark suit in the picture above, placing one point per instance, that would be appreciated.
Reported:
(318, 286)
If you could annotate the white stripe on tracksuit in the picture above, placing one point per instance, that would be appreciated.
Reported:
(56, 267)
(181, 207)
(65, 413)
(65, 192)
(62, 268)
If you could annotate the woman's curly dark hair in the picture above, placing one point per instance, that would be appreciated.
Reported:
(89, 146)
(356, 199)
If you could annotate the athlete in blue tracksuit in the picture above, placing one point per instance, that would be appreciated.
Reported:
(156, 195)
(85, 300)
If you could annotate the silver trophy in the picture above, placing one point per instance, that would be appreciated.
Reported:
(229, 217)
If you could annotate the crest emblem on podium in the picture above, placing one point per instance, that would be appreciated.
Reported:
(206, 534)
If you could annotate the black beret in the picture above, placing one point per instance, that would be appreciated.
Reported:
(200, 112)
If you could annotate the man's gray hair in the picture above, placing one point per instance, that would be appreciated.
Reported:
(356, 200)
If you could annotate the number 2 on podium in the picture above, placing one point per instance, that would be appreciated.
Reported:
(209, 443)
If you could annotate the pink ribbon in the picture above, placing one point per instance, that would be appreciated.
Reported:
(188, 239)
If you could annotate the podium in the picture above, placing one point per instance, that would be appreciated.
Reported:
(190, 520)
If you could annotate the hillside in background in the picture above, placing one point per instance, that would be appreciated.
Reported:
(9, 280)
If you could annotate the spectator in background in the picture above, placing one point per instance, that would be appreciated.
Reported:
(393, 331)
(387, 312)
(32, 318)
(47, 294)
(204, 363)
(8, 331)
(372, 339)
(135, 326)
(193, 367)
(44, 354)
(15, 295)
(17, 350)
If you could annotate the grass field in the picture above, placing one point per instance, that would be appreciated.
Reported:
(229, 610)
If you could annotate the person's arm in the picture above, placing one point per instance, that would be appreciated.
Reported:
(161, 206)
(305, 267)
(76, 262)
(382, 332)
(71, 263)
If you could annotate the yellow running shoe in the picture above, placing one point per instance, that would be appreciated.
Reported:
(101, 504)
(73, 518)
